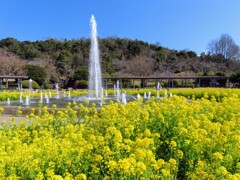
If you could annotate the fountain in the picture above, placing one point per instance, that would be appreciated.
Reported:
(27, 101)
(138, 96)
(41, 96)
(106, 93)
(165, 93)
(145, 95)
(124, 100)
(114, 88)
(47, 99)
(69, 95)
(96, 91)
(158, 89)
(20, 98)
(118, 90)
(95, 79)
(8, 101)
(57, 92)
(149, 95)
(30, 84)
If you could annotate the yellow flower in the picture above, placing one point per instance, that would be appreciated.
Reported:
(238, 167)
(173, 144)
(180, 154)
(159, 164)
(222, 170)
(112, 165)
(173, 163)
(166, 172)
(217, 156)
(147, 133)
(140, 167)
(81, 177)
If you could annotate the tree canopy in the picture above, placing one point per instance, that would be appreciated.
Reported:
(36, 73)
(225, 46)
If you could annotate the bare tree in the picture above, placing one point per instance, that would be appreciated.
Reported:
(140, 66)
(225, 46)
(11, 64)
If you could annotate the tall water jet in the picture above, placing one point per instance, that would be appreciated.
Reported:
(95, 79)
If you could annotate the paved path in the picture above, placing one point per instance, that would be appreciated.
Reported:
(7, 118)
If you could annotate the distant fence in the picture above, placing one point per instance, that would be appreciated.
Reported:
(184, 81)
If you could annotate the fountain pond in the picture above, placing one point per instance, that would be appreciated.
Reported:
(95, 92)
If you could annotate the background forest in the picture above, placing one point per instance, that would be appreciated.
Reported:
(52, 60)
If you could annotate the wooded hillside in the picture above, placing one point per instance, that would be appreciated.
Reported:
(68, 59)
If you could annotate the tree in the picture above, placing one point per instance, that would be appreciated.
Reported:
(12, 45)
(225, 46)
(10, 64)
(46, 63)
(36, 73)
(140, 66)
(64, 63)
(235, 78)
(81, 73)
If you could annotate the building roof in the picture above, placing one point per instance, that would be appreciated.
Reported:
(13, 77)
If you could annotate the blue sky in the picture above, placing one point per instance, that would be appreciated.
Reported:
(176, 24)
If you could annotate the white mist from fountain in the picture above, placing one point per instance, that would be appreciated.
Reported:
(95, 78)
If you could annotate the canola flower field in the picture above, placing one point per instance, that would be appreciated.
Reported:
(193, 135)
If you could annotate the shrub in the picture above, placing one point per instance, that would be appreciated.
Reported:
(235, 78)
(25, 84)
(47, 86)
(83, 84)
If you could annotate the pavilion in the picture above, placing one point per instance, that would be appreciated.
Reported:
(12, 82)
